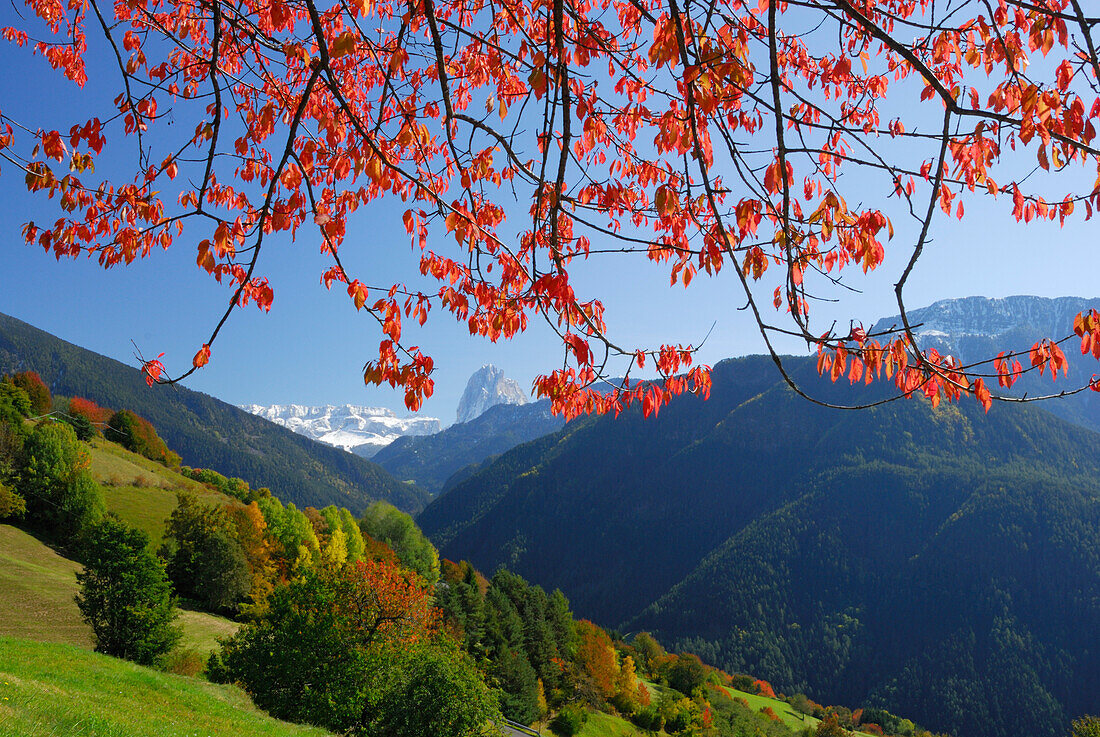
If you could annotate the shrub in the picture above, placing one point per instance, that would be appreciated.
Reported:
(321, 652)
(569, 721)
(125, 595)
(15, 404)
(136, 434)
(428, 690)
(188, 663)
(649, 718)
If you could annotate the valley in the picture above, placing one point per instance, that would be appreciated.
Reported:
(935, 562)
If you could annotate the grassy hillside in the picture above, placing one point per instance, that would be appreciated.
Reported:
(205, 431)
(140, 491)
(37, 586)
(53, 690)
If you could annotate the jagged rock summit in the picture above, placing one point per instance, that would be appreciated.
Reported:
(486, 388)
(362, 430)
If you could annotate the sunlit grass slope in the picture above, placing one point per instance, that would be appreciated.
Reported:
(606, 725)
(140, 491)
(53, 690)
(37, 587)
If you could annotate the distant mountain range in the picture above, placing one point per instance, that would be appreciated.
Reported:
(941, 563)
(205, 431)
(366, 430)
(360, 430)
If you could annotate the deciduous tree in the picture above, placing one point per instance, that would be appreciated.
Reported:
(125, 595)
(783, 145)
(62, 498)
(312, 655)
(387, 523)
(36, 389)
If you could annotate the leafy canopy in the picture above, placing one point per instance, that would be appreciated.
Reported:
(715, 140)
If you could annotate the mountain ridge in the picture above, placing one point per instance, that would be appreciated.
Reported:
(204, 430)
(354, 428)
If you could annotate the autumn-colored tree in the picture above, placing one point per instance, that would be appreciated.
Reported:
(1086, 726)
(36, 389)
(763, 688)
(626, 684)
(788, 145)
(378, 550)
(251, 532)
(596, 656)
(830, 727)
(98, 416)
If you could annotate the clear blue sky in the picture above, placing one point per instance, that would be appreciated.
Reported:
(311, 347)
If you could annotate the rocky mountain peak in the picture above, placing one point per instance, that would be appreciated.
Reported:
(486, 388)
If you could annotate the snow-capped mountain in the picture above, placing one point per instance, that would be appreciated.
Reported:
(486, 388)
(362, 430)
(955, 322)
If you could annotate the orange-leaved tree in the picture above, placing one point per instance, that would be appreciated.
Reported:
(524, 136)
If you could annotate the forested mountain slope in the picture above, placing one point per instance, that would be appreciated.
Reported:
(205, 431)
(431, 460)
(942, 563)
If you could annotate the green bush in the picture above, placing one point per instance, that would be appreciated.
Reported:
(569, 721)
(15, 404)
(429, 690)
(136, 434)
(11, 504)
